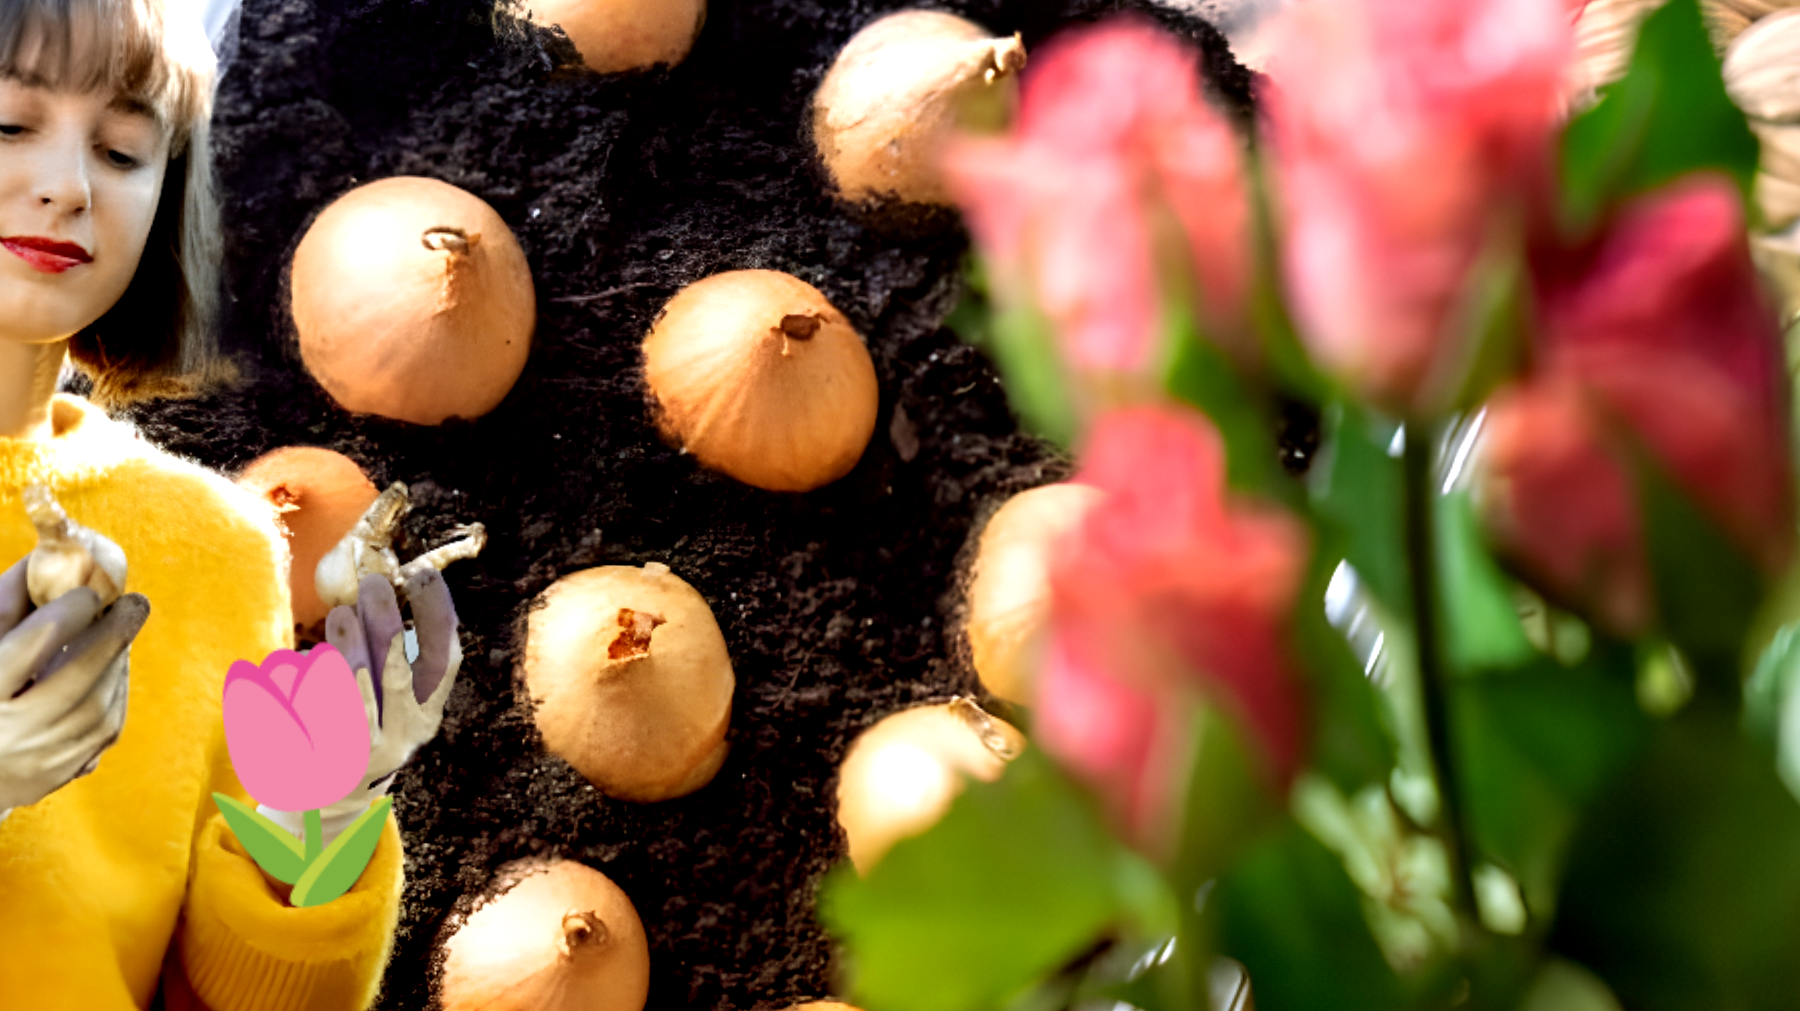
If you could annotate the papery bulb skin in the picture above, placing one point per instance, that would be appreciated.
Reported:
(563, 937)
(761, 378)
(630, 681)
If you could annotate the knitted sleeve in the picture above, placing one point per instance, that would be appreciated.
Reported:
(242, 947)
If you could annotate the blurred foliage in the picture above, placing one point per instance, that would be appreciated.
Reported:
(1023, 348)
(1018, 879)
(1669, 115)
(1503, 809)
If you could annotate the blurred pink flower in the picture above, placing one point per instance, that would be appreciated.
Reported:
(1166, 587)
(1407, 138)
(296, 728)
(1130, 744)
(1657, 337)
(1116, 175)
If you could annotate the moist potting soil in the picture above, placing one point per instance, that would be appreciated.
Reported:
(839, 606)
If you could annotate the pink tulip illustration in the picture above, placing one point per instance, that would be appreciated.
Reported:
(299, 738)
(295, 726)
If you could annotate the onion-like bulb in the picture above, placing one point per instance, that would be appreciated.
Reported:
(895, 93)
(902, 773)
(612, 36)
(564, 938)
(1009, 596)
(413, 301)
(318, 495)
(630, 681)
(758, 376)
(1762, 69)
(68, 555)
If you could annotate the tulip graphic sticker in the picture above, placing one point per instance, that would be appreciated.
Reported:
(298, 730)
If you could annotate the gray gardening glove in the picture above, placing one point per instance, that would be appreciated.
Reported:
(62, 685)
(403, 698)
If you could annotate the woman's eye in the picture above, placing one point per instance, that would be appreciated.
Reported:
(119, 159)
(10, 130)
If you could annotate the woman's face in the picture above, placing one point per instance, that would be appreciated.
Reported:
(80, 174)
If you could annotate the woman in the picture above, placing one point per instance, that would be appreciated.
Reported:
(116, 872)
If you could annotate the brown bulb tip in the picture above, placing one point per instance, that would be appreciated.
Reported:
(1008, 58)
(581, 929)
(448, 239)
(633, 639)
(800, 327)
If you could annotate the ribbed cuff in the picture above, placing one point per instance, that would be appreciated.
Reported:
(245, 949)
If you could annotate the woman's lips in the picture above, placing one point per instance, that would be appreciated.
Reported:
(47, 255)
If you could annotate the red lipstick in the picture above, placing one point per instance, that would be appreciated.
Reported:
(50, 256)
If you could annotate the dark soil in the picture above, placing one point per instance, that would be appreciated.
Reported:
(838, 606)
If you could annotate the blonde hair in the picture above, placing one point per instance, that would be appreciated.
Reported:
(157, 340)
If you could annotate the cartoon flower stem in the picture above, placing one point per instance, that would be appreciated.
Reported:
(315, 835)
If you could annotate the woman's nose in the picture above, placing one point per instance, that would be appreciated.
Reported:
(62, 182)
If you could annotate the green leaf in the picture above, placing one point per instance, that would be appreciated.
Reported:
(1772, 706)
(1198, 373)
(1289, 912)
(1707, 592)
(1684, 889)
(1019, 877)
(1024, 348)
(1490, 324)
(1669, 115)
(273, 849)
(337, 869)
(1351, 744)
(1360, 490)
(1534, 747)
(1481, 629)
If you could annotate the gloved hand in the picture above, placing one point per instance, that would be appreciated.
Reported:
(53, 729)
(404, 700)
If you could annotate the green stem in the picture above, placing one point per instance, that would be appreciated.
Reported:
(1421, 560)
(315, 835)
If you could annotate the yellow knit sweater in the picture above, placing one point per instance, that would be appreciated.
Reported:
(99, 879)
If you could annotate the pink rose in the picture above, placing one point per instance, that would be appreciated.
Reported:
(1166, 586)
(296, 729)
(1407, 137)
(1130, 744)
(1116, 171)
(1657, 337)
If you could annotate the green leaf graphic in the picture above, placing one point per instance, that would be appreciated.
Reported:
(343, 861)
(267, 843)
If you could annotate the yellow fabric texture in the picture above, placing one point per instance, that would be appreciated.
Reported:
(98, 879)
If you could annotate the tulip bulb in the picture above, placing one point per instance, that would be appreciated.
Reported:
(896, 92)
(1605, 35)
(412, 300)
(563, 938)
(1762, 69)
(1009, 597)
(613, 36)
(902, 773)
(368, 550)
(758, 376)
(630, 681)
(68, 555)
(1728, 18)
(319, 495)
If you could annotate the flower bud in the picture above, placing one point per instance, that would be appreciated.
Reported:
(1657, 338)
(1166, 586)
(1115, 171)
(1407, 138)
